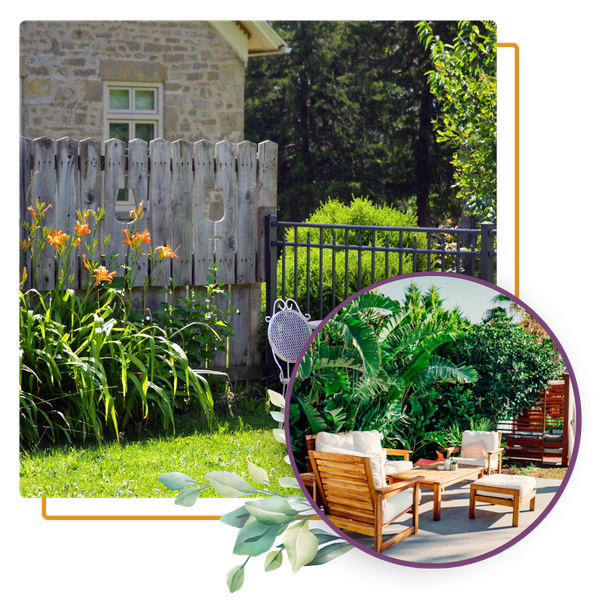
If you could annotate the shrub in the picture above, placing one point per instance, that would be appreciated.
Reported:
(361, 211)
(513, 366)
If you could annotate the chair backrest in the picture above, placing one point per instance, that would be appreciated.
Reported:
(346, 485)
(288, 331)
(490, 439)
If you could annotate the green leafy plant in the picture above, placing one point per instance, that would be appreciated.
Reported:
(513, 366)
(376, 365)
(199, 320)
(262, 521)
(464, 81)
(89, 367)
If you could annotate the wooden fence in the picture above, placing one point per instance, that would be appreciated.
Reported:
(206, 200)
(542, 432)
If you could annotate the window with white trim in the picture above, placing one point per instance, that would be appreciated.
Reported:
(132, 110)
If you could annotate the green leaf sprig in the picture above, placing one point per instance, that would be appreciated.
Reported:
(262, 521)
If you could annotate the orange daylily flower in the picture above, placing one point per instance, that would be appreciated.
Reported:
(101, 274)
(58, 238)
(166, 252)
(82, 228)
(144, 236)
(135, 240)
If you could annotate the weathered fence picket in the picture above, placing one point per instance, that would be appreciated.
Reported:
(206, 200)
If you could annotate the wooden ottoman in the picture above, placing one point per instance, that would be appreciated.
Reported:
(507, 490)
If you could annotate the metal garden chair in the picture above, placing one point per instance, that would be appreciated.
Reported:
(287, 332)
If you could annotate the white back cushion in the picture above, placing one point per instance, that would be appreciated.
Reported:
(489, 439)
(356, 441)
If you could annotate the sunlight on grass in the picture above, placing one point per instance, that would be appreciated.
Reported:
(131, 469)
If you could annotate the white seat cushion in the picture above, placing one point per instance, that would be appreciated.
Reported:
(521, 482)
(393, 505)
(396, 504)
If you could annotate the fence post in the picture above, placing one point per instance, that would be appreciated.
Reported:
(270, 282)
(487, 257)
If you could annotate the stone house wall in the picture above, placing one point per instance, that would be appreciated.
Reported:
(64, 63)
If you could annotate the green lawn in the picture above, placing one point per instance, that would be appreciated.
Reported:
(131, 469)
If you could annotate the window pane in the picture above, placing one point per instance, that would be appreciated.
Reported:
(119, 99)
(144, 100)
(120, 131)
(144, 131)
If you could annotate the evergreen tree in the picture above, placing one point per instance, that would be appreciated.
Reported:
(351, 110)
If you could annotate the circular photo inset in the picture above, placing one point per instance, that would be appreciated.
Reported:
(433, 420)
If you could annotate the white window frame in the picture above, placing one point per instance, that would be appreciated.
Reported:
(131, 116)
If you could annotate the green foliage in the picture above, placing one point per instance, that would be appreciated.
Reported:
(90, 364)
(375, 365)
(87, 371)
(361, 211)
(464, 82)
(262, 521)
(196, 320)
(513, 366)
(351, 111)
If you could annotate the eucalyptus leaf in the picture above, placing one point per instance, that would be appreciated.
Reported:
(235, 578)
(289, 482)
(236, 518)
(276, 398)
(175, 481)
(230, 485)
(301, 545)
(279, 435)
(298, 502)
(273, 560)
(188, 496)
(278, 416)
(259, 475)
(329, 552)
(255, 539)
(271, 511)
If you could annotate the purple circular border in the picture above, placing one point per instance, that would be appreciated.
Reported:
(527, 530)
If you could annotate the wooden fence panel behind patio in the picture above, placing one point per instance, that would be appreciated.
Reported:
(206, 200)
(541, 433)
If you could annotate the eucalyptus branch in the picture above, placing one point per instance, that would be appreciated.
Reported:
(261, 521)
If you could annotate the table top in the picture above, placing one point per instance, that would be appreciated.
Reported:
(432, 474)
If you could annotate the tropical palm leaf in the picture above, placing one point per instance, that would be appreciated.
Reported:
(440, 370)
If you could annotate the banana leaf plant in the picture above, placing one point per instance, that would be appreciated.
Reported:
(376, 365)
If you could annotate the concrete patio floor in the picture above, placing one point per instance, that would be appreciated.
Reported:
(455, 537)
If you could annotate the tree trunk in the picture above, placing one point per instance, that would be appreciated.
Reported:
(422, 177)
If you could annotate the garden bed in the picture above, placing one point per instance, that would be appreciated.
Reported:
(538, 470)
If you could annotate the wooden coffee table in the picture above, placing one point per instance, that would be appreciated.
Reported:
(438, 480)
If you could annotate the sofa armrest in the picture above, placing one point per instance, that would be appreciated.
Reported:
(451, 450)
(397, 452)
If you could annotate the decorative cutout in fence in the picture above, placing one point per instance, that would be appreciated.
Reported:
(206, 200)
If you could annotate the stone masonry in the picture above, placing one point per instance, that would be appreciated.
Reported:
(63, 65)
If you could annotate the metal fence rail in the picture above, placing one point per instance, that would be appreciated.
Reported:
(443, 250)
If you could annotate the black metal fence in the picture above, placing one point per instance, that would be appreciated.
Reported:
(349, 258)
